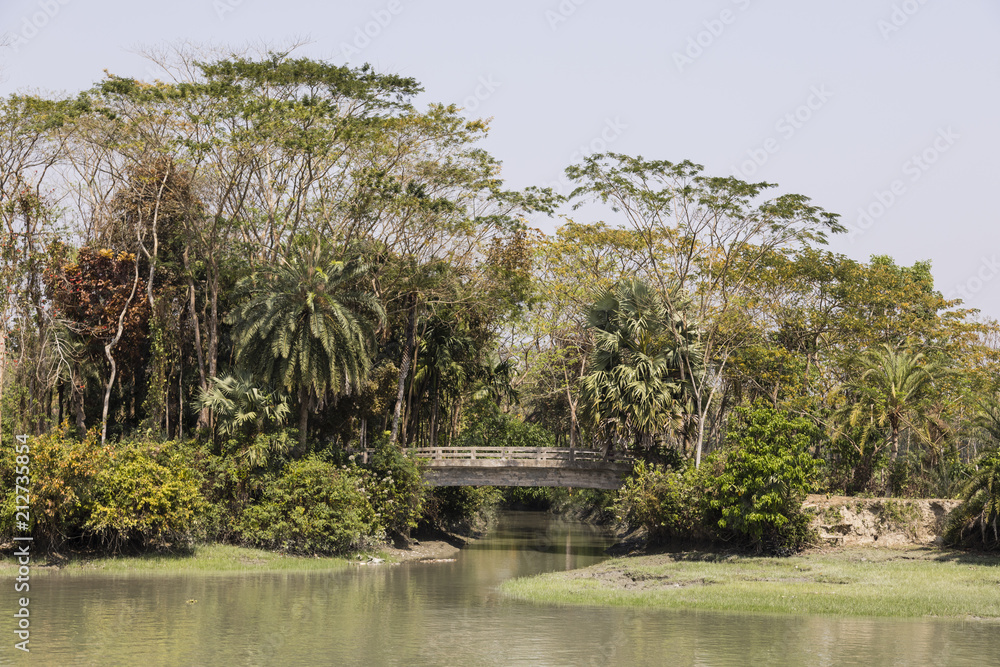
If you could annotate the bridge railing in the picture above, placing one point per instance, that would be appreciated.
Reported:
(442, 455)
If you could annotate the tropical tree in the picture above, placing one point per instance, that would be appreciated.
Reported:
(889, 389)
(706, 236)
(305, 325)
(552, 341)
(637, 387)
(767, 473)
(981, 506)
(241, 404)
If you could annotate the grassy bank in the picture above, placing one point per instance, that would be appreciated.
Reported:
(905, 582)
(204, 559)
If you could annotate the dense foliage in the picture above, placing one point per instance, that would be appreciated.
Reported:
(234, 276)
(667, 503)
(750, 494)
(312, 507)
(766, 474)
(131, 495)
(977, 521)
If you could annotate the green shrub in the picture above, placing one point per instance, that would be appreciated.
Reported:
(146, 495)
(664, 501)
(133, 493)
(229, 483)
(767, 473)
(312, 507)
(395, 488)
(62, 471)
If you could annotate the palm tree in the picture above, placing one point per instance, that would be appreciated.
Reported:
(636, 385)
(988, 419)
(981, 506)
(305, 325)
(241, 405)
(891, 385)
(454, 364)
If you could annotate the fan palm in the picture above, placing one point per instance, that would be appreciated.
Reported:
(636, 386)
(305, 325)
(988, 419)
(241, 405)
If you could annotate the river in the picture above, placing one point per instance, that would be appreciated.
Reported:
(447, 614)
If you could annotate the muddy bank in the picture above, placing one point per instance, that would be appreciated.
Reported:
(879, 522)
(431, 545)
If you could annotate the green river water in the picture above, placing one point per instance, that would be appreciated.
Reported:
(446, 614)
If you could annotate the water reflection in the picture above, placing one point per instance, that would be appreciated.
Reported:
(449, 614)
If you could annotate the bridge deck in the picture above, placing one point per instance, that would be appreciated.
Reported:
(520, 466)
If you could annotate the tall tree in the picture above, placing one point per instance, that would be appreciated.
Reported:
(890, 386)
(306, 325)
(715, 233)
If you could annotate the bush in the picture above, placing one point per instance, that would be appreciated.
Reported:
(395, 488)
(767, 473)
(664, 501)
(313, 507)
(62, 471)
(146, 495)
(124, 494)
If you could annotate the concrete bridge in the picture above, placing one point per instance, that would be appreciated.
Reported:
(520, 466)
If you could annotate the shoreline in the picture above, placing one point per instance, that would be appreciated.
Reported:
(218, 558)
(886, 581)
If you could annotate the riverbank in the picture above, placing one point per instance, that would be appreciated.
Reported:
(904, 582)
(208, 558)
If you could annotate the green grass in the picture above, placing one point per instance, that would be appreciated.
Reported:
(207, 558)
(912, 582)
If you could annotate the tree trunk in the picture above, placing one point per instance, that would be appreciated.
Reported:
(78, 397)
(3, 370)
(404, 370)
(180, 398)
(435, 415)
(110, 346)
(199, 353)
(303, 420)
(213, 322)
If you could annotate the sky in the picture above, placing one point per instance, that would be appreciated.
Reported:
(883, 111)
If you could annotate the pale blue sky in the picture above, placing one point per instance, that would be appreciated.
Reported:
(889, 106)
